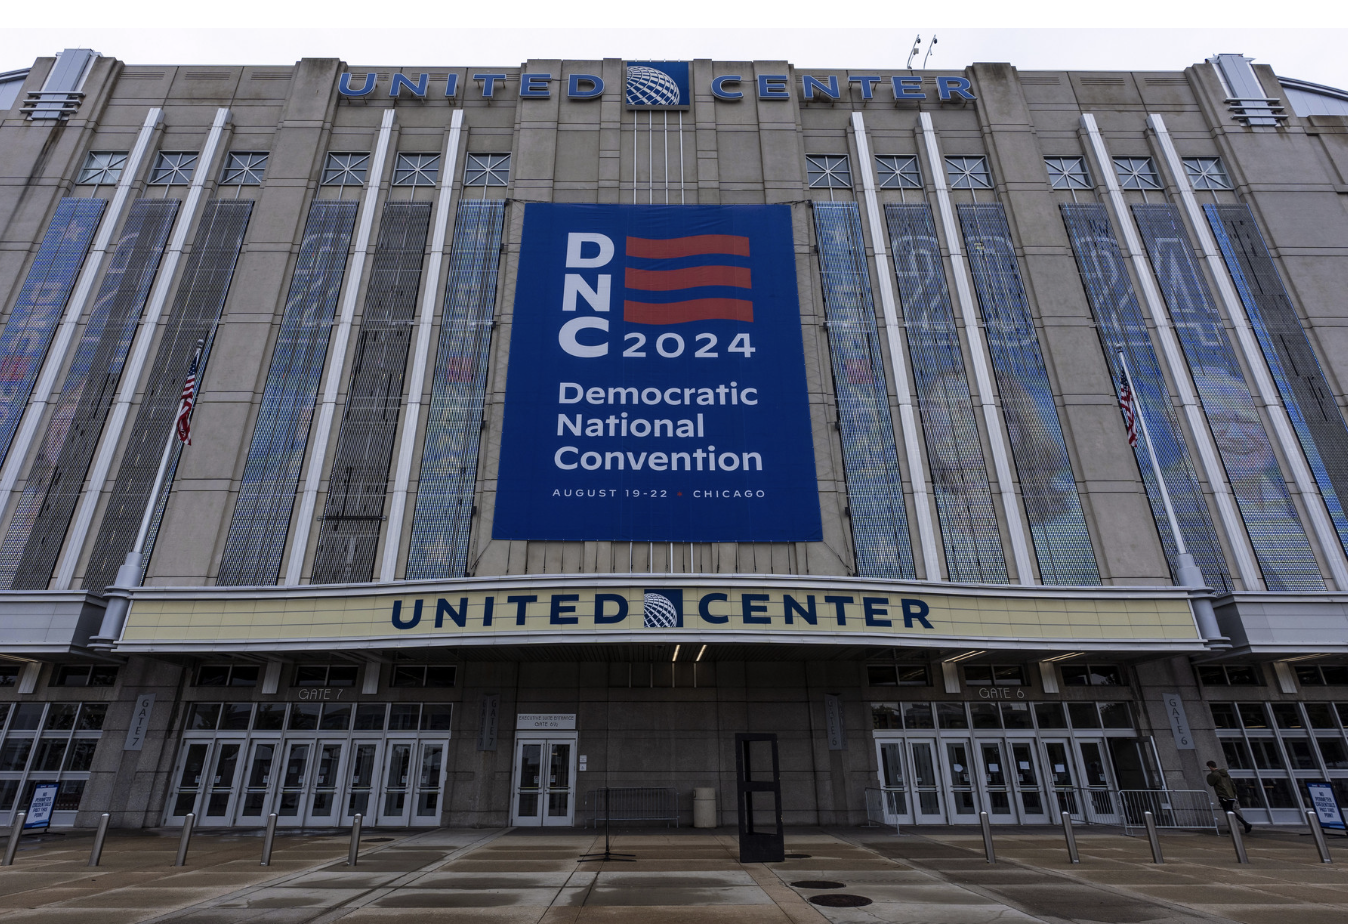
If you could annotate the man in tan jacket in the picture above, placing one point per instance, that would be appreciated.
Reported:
(1222, 785)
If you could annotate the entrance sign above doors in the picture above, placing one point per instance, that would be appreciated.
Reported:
(615, 608)
(532, 721)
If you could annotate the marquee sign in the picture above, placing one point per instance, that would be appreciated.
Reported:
(656, 380)
(655, 606)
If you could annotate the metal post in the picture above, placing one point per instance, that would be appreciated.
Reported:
(1318, 833)
(1071, 837)
(355, 842)
(97, 853)
(1153, 838)
(1237, 840)
(15, 832)
(185, 839)
(987, 837)
(268, 839)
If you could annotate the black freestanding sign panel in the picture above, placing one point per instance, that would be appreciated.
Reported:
(758, 846)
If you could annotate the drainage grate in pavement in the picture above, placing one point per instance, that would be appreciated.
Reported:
(819, 884)
(797, 856)
(840, 900)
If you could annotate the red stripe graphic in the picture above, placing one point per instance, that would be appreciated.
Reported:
(669, 280)
(698, 309)
(688, 246)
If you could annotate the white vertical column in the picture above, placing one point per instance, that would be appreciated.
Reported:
(1330, 544)
(917, 472)
(318, 452)
(1173, 358)
(416, 386)
(56, 355)
(978, 356)
(135, 365)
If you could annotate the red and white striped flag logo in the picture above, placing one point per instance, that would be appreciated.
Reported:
(185, 405)
(1129, 412)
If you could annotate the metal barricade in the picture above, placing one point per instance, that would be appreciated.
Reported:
(632, 804)
(1172, 808)
(882, 804)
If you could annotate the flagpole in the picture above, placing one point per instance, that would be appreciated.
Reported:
(1187, 572)
(129, 574)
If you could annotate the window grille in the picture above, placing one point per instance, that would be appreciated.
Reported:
(447, 483)
(1047, 484)
(1067, 172)
(28, 333)
(416, 170)
(207, 274)
(1206, 173)
(487, 170)
(102, 168)
(1291, 358)
(244, 168)
(898, 172)
(261, 523)
(964, 506)
(828, 171)
(968, 172)
(173, 168)
(1116, 310)
(353, 512)
(870, 457)
(1271, 519)
(345, 169)
(56, 479)
(1136, 173)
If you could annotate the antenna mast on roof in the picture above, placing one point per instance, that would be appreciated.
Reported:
(931, 46)
(917, 46)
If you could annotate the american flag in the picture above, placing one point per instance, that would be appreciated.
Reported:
(187, 402)
(1129, 412)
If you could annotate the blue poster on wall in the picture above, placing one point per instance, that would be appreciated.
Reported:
(656, 383)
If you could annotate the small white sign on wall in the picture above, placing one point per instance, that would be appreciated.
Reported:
(1179, 722)
(541, 721)
(140, 722)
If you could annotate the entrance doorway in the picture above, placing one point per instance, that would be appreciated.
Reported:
(543, 789)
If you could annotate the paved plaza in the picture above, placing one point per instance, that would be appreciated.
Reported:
(939, 876)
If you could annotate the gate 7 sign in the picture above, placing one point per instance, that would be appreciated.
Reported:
(656, 387)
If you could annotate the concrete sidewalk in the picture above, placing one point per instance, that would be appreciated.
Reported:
(531, 877)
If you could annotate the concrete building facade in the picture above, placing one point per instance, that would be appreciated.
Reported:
(1018, 600)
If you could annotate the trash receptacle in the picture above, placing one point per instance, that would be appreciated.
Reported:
(704, 807)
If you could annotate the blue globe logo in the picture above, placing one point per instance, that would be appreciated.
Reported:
(647, 86)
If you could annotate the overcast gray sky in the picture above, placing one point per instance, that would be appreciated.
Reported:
(1309, 43)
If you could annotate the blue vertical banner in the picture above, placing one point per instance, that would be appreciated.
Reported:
(656, 388)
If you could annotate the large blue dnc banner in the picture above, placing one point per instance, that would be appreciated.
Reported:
(656, 385)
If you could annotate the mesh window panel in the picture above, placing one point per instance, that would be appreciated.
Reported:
(448, 478)
(257, 534)
(46, 289)
(348, 537)
(959, 475)
(1120, 323)
(1047, 485)
(56, 479)
(1296, 370)
(870, 456)
(1271, 519)
(207, 274)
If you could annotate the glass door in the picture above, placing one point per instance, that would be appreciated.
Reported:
(294, 782)
(191, 768)
(327, 775)
(893, 783)
(997, 792)
(544, 789)
(962, 798)
(1026, 776)
(430, 783)
(1062, 776)
(926, 782)
(223, 784)
(1096, 773)
(393, 807)
(257, 782)
(363, 768)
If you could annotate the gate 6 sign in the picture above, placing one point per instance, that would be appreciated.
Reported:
(656, 387)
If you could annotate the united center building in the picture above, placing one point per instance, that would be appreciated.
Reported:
(553, 424)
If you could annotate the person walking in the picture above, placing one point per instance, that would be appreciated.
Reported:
(1225, 788)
